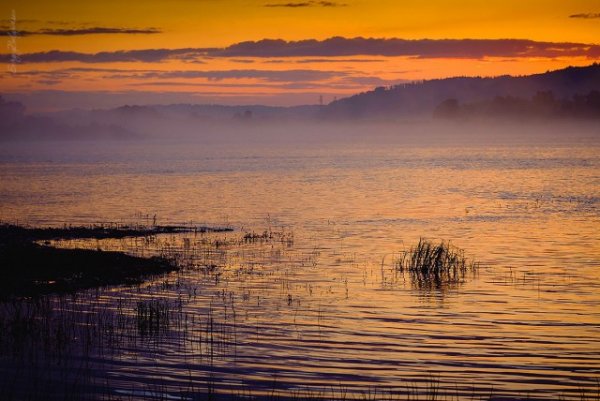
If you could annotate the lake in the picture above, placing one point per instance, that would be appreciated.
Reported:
(317, 306)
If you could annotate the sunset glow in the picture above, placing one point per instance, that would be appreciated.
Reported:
(110, 53)
(290, 200)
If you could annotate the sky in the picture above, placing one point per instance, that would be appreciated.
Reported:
(66, 54)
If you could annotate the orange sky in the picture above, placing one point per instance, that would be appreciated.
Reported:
(73, 31)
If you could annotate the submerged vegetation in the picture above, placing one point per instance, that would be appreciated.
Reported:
(434, 266)
(192, 332)
(152, 316)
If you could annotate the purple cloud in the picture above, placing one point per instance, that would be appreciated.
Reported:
(146, 56)
(269, 76)
(97, 30)
(286, 79)
(80, 31)
(335, 47)
(585, 15)
(421, 48)
(264, 75)
(337, 60)
(303, 4)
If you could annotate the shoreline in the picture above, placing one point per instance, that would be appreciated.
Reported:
(31, 269)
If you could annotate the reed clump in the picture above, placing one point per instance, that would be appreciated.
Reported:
(435, 265)
(269, 236)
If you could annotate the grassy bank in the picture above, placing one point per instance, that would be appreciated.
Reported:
(30, 268)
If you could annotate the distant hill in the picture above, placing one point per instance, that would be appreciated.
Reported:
(15, 124)
(422, 98)
(572, 93)
(133, 114)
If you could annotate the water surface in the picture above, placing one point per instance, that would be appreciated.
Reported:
(326, 308)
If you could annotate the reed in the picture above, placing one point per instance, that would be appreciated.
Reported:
(152, 317)
(433, 265)
(66, 347)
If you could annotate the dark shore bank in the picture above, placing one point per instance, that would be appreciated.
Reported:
(30, 269)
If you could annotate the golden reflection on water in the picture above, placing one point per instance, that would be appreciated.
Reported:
(331, 308)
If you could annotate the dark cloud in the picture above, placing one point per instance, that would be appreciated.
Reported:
(331, 4)
(263, 75)
(60, 75)
(335, 47)
(67, 72)
(342, 85)
(421, 48)
(52, 74)
(273, 76)
(201, 84)
(97, 30)
(307, 4)
(289, 5)
(337, 60)
(280, 86)
(585, 15)
(80, 31)
(146, 56)
(7, 31)
(289, 79)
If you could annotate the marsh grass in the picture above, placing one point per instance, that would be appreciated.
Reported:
(152, 316)
(435, 266)
(59, 342)
(270, 235)
(66, 347)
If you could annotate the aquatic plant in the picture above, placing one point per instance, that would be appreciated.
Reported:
(152, 316)
(203, 315)
(433, 265)
(282, 236)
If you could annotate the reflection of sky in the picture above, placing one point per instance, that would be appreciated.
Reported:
(331, 309)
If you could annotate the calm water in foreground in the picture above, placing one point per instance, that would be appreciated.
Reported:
(322, 307)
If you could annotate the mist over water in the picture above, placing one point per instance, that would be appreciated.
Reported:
(330, 310)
